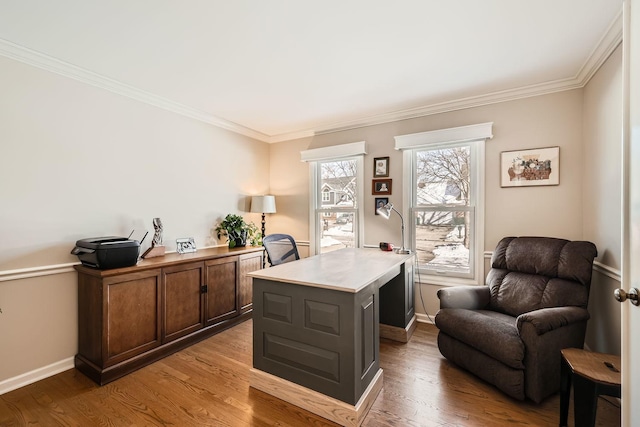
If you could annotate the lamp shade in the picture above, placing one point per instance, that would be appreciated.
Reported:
(263, 204)
(385, 210)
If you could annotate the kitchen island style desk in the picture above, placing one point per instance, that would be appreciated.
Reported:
(316, 328)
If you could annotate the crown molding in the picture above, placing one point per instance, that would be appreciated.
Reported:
(605, 47)
(290, 136)
(607, 44)
(54, 65)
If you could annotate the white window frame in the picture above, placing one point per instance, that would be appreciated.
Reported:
(352, 151)
(476, 135)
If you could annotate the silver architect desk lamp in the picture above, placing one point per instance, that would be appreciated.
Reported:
(385, 211)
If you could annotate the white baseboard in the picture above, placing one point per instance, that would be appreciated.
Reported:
(423, 318)
(35, 375)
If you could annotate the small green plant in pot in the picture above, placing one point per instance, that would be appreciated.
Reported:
(237, 231)
(254, 237)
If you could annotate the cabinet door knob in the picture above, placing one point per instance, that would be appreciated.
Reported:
(203, 289)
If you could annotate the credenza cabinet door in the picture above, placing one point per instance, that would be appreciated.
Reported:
(222, 289)
(248, 263)
(182, 299)
(118, 318)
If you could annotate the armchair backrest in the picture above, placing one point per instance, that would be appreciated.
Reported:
(530, 273)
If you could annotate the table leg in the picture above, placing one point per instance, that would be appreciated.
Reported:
(565, 391)
(585, 401)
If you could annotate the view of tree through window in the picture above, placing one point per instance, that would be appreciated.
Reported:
(338, 204)
(443, 209)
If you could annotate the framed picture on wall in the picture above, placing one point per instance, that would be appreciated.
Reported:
(380, 202)
(380, 167)
(534, 167)
(381, 186)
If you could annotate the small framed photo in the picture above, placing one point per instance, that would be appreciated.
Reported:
(185, 245)
(380, 202)
(380, 167)
(381, 186)
(526, 168)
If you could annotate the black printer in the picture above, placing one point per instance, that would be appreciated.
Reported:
(107, 252)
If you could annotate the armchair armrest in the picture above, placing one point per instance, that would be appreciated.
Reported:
(467, 297)
(548, 319)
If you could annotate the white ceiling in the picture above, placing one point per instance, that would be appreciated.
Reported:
(278, 69)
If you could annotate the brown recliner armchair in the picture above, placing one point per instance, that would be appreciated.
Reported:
(510, 332)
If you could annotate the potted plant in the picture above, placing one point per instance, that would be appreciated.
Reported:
(237, 231)
(254, 237)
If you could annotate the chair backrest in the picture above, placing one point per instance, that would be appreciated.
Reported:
(529, 273)
(280, 248)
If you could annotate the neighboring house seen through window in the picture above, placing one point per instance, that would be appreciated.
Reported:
(336, 175)
(339, 178)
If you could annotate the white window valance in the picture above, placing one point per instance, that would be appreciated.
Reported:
(334, 152)
(458, 134)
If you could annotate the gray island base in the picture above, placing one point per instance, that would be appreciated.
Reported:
(317, 324)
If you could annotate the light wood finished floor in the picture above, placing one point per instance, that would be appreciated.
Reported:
(208, 385)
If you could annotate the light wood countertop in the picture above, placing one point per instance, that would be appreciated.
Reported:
(347, 270)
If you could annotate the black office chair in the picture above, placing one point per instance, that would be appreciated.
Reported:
(280, 248)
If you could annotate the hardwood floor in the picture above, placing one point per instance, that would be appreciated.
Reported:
(207, 384)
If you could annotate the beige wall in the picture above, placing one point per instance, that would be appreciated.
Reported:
(77, 161)
(544, 121)
(602, 191)
(289, 180)
(551, 120)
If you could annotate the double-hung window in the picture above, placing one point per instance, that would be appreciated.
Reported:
(336, 192)
(444, 195)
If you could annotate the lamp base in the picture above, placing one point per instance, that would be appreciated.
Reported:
(402, 251)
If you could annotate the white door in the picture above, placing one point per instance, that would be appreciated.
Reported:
(631, 211)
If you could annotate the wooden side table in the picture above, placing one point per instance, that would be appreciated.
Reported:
(592, 374)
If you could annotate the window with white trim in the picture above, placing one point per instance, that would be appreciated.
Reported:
(339, 219)
(444, 193)
(336, 175)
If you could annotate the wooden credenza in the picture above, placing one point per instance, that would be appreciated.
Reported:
(130, 317)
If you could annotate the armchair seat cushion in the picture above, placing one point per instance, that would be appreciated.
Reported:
(490, 332)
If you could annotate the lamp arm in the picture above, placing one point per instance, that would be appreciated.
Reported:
(401, 223)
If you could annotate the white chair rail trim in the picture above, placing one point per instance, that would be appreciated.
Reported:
(610, 272)
(49, 270)
(44, 270)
